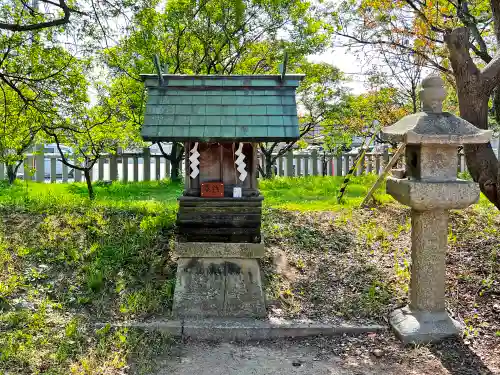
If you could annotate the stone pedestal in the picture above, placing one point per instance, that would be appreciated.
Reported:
(211, 285)
(430, 189)
(425, 319)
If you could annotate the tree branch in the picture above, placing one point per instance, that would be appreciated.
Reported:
(41, 25)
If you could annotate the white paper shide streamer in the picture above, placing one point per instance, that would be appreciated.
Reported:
(240, 162)
(194, 161)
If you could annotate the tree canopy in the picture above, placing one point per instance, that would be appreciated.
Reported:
(456, 38)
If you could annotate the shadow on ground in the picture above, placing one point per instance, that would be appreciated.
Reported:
(459, 359)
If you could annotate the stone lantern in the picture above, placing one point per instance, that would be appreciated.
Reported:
(431, 189)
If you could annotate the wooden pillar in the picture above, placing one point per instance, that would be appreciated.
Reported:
(187, 169)
(254, 183)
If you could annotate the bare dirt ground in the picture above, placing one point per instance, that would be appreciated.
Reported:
(354, 267)
(375, 354)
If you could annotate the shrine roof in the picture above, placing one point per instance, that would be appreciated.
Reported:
(209, 108)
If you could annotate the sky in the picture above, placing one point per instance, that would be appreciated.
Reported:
(347, 62)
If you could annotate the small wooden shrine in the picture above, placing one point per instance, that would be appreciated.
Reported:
(220, 120)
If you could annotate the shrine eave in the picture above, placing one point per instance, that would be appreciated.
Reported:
(221, 108)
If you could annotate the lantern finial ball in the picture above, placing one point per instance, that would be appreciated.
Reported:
(432, 94)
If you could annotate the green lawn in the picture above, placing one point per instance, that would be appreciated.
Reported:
(303, 194)
(68, 263)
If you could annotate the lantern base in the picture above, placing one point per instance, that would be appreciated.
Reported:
(421, 327)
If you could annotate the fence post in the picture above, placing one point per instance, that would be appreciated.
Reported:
(385, 156)
(64, 172)
(377, 163)
(40, 164)
(280, 166)
(113, 167)
(298, 165)
(2, 172)
(53, 169)
(100, 169)
(167, 168)
(147, 164)
(289, 164)
(314, 155)
(338, 165)
(158, 167)
(124, 168)
(136, 168)
(77, 173)
(306, 165)
(329, 166)
(369, 165)
(361, 165)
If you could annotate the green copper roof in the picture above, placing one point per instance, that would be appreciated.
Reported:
(214, 108)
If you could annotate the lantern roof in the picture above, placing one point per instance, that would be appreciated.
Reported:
(432, 125)
(209, 108)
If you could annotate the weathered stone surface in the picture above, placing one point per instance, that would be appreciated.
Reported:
(231, 329)
(199, 288)
(420, 327)
(219, 250)
(430, 195)
(428, 249)
(243, 295)
(432, 163)
(210, 287)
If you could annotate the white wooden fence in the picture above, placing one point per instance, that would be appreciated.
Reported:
(134, 166)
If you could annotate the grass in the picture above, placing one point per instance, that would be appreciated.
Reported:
(67, 263)
(319, 193)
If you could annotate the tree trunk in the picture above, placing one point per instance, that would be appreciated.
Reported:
(268, 172)
(175, 166)
(474, 88)
(88, 180)
(11, 174)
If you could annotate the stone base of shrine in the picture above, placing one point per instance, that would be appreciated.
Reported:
(421, 327)
(218, 287)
